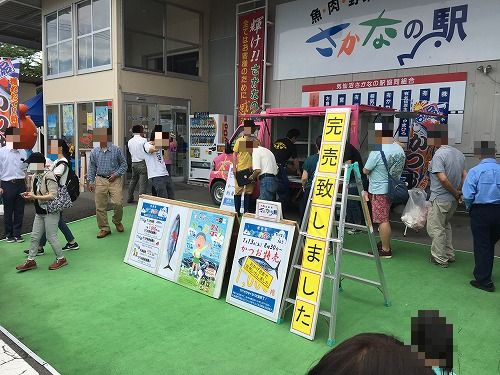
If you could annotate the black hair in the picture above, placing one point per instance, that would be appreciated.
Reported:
(293, 133)
(11, 130)
(371, 354)
(137, 129)
(65, 148)
(431, 335)
(35, 157)
(318, 142)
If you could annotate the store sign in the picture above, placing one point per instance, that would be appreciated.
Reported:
(9, 95)
(401, 93)
(259, 267)
(251, 65)
(320, 222)
(321, 37)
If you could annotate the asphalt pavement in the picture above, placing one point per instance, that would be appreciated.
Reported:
(84, 207)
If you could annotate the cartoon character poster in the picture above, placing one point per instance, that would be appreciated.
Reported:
(205, 250)
(145, 246)
(259, 267)
(172, 246)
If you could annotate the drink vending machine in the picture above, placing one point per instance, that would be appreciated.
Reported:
(208, 134)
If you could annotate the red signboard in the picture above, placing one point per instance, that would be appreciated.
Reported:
(251, 37)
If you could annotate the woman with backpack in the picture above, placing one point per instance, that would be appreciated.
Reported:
(48, 199)
(60, 168)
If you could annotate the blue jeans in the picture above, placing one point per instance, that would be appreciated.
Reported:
(283, 186)
(64, 229)
(268, 188)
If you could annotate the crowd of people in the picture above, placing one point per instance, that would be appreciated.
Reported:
(450, 186)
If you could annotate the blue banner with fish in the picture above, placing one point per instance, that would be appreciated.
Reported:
(260, 265)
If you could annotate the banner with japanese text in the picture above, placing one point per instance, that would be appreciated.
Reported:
(329, 37)
(9, 95)
(320, 220)
(260, 264)
(404, 93)
(251, 65)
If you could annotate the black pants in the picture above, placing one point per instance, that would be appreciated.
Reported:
(13, 205)
(485, 226)
(246, 203)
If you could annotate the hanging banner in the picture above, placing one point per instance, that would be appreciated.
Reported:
(250, 46)
(400, 93)
(259, 267)
(181, 242)
(9, 95)
(320, 222)
(321, 37)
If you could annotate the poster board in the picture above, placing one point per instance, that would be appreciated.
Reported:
(181, 242)
(260, 264)
(268, 210)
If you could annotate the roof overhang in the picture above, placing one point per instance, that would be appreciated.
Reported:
(21, 23)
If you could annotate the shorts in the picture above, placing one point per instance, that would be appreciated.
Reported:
(381, 208)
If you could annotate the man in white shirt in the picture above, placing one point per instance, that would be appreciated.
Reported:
(265, 167)
(139, 172)
(156, 168)
(13, 183)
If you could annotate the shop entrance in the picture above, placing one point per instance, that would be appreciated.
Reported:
(171, 114)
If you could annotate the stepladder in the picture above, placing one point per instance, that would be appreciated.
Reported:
(331, 274)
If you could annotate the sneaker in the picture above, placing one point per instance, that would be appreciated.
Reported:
(40, 252)
(58, 264)
(386, 254)
(10, 239)
(488, 288)
(19, 239)
(71, 246)
(354, 231)
(435, 261)
(26, 266)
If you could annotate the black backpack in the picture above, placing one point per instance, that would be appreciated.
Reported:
(72, 182)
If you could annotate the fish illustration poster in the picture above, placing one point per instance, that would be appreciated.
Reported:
(259, 267)
(144, 247)
(204, 252)
(172, 246)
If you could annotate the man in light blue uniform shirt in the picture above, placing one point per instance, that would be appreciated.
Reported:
(481, 193)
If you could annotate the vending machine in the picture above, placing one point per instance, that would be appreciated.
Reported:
(208, 134)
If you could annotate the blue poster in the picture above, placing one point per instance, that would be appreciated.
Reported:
(203, 251)
(101, 117)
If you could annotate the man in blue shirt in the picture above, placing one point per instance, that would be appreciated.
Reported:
(481, 193)
(107, 165)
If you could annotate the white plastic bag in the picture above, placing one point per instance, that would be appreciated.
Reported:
(415, 213)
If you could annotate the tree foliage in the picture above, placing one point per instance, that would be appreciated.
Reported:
(31, 59)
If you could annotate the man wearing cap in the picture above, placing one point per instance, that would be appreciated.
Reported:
(139, 170)
(481, 193)
(106, 167)
(13, 184)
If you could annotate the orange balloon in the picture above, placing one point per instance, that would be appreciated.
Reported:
(28, 129)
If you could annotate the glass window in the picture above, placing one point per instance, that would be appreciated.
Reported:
(94, 34)
(59, 45)
(85, 125)
(162, 37)
(52, 121)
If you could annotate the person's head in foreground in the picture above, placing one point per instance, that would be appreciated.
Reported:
(36, 163)
(485, 149)
(371, 354)
(432, 339)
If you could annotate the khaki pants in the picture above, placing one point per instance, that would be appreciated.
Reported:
(439, 229)
(103, 190)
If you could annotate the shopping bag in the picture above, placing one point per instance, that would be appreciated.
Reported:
(415, 213)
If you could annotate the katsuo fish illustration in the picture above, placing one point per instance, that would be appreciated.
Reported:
(261, 262)
(172, 240)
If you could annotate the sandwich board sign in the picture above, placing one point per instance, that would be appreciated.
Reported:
(260, 264)
(181, 242)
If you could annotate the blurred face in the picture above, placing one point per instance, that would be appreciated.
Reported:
(36, 167)
(249, 145)
(13, 140)
(162, 139)
(55, 147)
(101, 137)
(438, 137)
(380, 136)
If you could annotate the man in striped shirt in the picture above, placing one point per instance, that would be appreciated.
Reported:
(107, 165)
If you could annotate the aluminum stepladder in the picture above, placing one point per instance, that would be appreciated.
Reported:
(336, 248)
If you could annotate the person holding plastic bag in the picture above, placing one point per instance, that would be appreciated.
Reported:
(416, 209)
